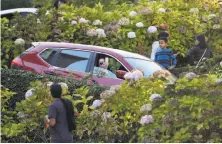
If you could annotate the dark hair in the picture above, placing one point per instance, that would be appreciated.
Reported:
(202, 41)
(164, 39)
(56, 90)
(163, 34)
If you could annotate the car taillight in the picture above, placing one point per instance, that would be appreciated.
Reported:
(17, 63)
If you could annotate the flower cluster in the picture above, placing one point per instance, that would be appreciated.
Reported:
(216, 26)
(194, 11)
(29, 93)
(38, 21)
(161, 10)
(139, 25)
(146, 108)
(83, 21)
(190, 75)
(133, 14)
(134, 76)
(219, 81)
(95, 114)
(146, 11)
(73, 22)
(97, 103)
(112, 27)
(91, 33)
(221, 63)
(124, 21)
(100, 33)
(155, 98)
(131, 35)
(211, 16)
(106, 116)
(47, 13)
(147, 119)
(152, 29)
(115, 88)
(49, 84)
(97, 22)
(107, 94)
(19, 42)
(161, 74)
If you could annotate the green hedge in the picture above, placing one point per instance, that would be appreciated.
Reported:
(18, 81)
(11, 4)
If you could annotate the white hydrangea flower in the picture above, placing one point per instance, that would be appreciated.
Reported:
(100, 33)
(97, 103)
(107, 94)
(106, 116)
(146, 11)
(108, 12)
(133, 14)
(194, 11)
(147, 119)
(211, 16)
(91, 33)
(139, 24)
(115, 88)
(161, 10)
(131, 35)
(190, 75)
(83, 21)
(49, 84)
(61, 19)
(95, 113)
(152, 29)
(47, 12)
(137, 74)
(38, 21)
(128, 76)
(156, 98)
(29, 93)
(146, 108)
(221, 63)
(21, 115)
(218, 81)
(64, 85)
(73, 22)
(216, 26)
(97, 22)
(19, 41)
(124, 21)
(205, 18)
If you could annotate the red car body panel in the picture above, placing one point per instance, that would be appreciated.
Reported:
(34, 63)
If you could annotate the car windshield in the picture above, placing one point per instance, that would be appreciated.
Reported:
(148, 66)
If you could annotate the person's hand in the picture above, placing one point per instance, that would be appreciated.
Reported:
(171, 67)
(46, 121)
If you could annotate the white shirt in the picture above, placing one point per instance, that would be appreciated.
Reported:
(155, 47)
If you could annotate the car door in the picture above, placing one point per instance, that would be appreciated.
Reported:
(72, 63)
(106, 77)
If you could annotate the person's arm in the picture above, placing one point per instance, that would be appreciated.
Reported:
(191, 52)
(155, 46)
(174, 61)
(52, 115)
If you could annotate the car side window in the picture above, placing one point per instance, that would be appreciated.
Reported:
(73, 60)
(48, 55)
(106, 66)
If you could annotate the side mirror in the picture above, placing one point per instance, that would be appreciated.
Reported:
(120, 74)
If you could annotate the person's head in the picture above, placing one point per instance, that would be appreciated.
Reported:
(163, 42)
(201, 41)
(56, 90)
(163, 34)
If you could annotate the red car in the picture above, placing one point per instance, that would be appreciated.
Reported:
(64, 59)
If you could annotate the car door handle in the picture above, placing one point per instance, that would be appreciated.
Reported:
(49, 73)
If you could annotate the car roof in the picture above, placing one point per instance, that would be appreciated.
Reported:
(121, 53)
(10, 11)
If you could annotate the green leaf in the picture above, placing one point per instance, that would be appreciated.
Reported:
(89, 98)
(199, 126)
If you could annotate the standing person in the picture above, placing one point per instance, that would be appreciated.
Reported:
(156, 44)
(60, 117)
(199, 51)
(165, 56)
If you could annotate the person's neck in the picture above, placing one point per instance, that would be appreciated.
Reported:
(164, 48)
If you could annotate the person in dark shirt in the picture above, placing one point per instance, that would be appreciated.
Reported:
(199, 51)
(57, 119)
(165, 56)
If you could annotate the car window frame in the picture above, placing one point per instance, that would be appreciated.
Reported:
(88, 64)
(56, 54)
(92, 66)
